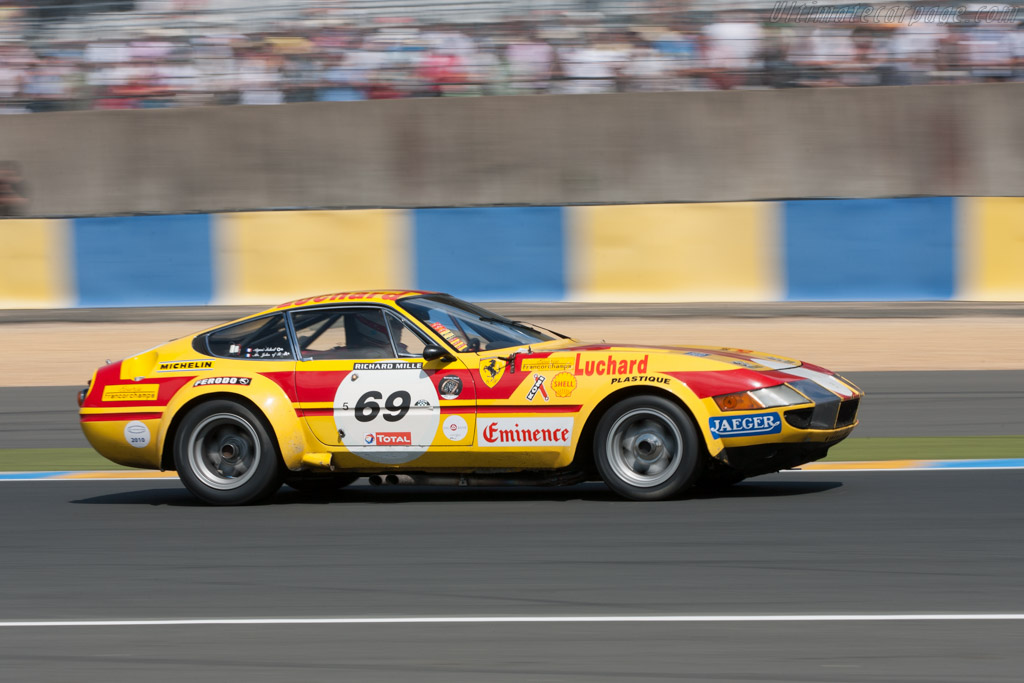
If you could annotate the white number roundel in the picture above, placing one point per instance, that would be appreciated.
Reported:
(388, 413)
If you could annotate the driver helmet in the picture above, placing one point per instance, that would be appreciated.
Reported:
(368, 330)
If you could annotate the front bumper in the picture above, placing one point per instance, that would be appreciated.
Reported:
(766, 458)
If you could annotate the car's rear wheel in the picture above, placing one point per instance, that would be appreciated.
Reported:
(319, 483)
(647, 448)
(225, 456)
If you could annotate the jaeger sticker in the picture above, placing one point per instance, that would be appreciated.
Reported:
(745, 425)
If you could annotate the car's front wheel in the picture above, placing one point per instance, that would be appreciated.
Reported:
(225, 456)
(647, 448)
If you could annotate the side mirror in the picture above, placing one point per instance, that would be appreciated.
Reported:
(435, 352)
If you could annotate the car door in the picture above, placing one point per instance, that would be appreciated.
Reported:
(363, 386)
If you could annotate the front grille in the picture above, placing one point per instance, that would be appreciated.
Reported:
(848, 412)
(800, 418)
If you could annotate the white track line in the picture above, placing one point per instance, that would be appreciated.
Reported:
(679, 618)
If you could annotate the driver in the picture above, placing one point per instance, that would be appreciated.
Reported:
(367, 334)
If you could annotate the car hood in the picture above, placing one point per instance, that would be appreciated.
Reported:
(708, 357)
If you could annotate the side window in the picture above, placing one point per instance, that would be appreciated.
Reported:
(407, 340)
(332, 333)
(260, 339)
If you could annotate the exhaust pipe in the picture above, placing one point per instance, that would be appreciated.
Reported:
(376, 480)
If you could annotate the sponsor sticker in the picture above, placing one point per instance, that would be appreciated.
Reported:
(136, 434)
(452, 338)
(545, 364)
(131, 392)
(538, 385)
(387, 439)
(455, 428)
(267, 352)
(649, 379)
(745, 425)
(491, 370)
(697, 354)
(450, 387)
(243, 381)
(388, 416)
(496, 432)
(389, 365)
(610, 365)
(178, 365)
(563, 384)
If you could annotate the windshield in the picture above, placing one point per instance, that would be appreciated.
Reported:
(470, 328)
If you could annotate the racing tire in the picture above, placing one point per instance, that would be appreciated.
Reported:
(319, 483)
(225, 456)
(647, 448)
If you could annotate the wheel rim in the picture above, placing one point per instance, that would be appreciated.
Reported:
(224, 451)
(645, 447)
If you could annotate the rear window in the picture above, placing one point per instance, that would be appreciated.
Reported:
(259, 339)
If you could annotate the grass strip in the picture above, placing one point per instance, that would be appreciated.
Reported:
(870, 449)
(54, 460)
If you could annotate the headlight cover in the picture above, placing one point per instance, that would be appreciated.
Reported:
(769, 397)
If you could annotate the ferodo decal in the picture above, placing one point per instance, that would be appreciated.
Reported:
(536, 431)
(563, 384)
(491, 370)
(384, 411)
(178, 365)
(136, 434)
(243, 381)
(130, 392)
(610, 366)
(745, 425)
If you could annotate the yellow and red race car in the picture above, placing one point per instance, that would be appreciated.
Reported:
(420, 387)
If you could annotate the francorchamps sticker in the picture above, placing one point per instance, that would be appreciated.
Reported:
(131, 392)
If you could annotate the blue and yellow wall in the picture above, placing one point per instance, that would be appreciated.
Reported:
(932, 248)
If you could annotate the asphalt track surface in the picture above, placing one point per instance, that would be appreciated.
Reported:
(835, 543)
(952, 403)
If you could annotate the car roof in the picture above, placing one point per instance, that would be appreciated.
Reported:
(388, 296)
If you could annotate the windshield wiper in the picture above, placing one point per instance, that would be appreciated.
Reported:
(522, 325)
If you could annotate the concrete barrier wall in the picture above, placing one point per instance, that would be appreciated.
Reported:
(929, 248)
(541, 151)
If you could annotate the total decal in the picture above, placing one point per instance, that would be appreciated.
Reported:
(745, 425)
(504, 432)
(385, 412)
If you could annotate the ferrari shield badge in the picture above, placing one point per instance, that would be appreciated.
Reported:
(491, 370)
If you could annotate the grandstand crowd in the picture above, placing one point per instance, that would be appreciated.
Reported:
(177, 60)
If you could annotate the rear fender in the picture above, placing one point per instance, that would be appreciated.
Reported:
(264, 395)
